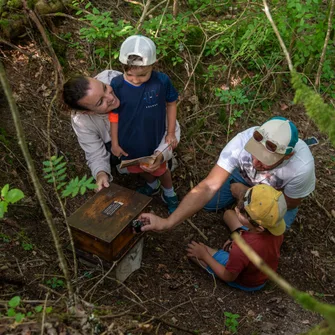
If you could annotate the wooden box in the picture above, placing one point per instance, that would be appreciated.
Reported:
(102, 226)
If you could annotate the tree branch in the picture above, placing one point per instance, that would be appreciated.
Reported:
(322, 59)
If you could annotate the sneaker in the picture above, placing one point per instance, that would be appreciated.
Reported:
(149, 191)
(172, 202)
(173, 163)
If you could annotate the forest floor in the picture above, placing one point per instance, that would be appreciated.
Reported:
(180, 297)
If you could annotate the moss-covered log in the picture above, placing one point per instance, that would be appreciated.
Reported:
(13, 19)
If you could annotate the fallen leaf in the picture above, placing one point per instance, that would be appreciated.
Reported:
(305, 322)
(251, 313)
(283, 106)
(315, 253)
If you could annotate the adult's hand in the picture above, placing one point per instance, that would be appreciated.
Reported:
(102, 180)
(153, 222)
(238, 190)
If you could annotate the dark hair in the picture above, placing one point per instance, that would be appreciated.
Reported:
(130, 63)
(74, 90)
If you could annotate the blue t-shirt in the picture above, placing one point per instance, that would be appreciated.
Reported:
(142, 113)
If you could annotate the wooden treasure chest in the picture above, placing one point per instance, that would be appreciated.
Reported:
(103, 225)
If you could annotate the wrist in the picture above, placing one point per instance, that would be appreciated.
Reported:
(100, 173)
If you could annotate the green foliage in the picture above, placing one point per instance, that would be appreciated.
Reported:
(55, 283)
(309, 303)
(27, 246)
(231, 321)
(9, 197)
(102, 28)
(11, 311)
(235, 98)
(55, 172)
(321, 113)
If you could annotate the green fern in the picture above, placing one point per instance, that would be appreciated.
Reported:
(322, 114)
(55, 172)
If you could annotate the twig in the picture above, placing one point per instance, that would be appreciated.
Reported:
(102, 278)
(44, 312)
(204, 150)
(35, 180)
(154, 8)
(321, 206)
(127, 288)
(322, 59)
(282, 44)
(50, 290)
(197, 229)
(142, 18)
(162, 17)
(46, 40)
(18, 265)
(71, 18)
(15, 47)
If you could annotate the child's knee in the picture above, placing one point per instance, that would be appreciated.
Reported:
(228, 215)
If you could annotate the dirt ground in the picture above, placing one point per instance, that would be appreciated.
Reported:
(171, 293)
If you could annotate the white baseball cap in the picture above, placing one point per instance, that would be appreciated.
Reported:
(273, 140)
(141, 46)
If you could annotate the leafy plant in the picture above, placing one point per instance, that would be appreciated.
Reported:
(231, 321)
(55, 171)
(9, 197)
(27, 246)
(55, 283)
(12, 312)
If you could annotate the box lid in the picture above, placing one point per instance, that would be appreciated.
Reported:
(108, 212)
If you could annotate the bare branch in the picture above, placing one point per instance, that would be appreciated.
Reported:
(322, 59)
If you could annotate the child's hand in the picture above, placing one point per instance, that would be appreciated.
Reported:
(197, 250)
(153, 167)
(118, 151)
(171, 139)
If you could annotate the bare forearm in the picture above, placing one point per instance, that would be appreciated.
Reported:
(171, 111)
(199, 196)
(114, 133)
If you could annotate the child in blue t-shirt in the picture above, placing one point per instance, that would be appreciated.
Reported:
(147, 110)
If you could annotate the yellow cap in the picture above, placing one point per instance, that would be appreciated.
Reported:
(267, 207)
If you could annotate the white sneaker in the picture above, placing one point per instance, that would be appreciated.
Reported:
(173, 163)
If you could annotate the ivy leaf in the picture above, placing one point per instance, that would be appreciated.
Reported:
(4, 190)
(38, 309)
(19, 317)
(14, 195)
(11, 312)
(48, 310)
(14, 302)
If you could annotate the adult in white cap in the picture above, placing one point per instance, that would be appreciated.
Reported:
(271, 154)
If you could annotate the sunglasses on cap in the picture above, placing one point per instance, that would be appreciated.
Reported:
(270, 145)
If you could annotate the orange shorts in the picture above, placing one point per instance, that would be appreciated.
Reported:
(157, 173)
